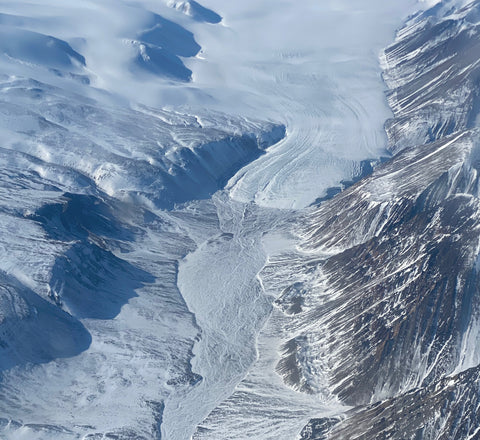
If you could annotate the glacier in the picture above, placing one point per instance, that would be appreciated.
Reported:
(378, 306)
(157, 160)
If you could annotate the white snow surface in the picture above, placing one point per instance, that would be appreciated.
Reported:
(141, 106)
(314, 66)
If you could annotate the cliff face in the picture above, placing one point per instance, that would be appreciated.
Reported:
(432, 71)
(390, 295)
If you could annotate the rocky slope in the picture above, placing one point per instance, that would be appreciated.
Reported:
(94, 333)
(386, 310)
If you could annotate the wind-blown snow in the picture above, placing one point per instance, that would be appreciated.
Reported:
(115, 119)
(313, 66)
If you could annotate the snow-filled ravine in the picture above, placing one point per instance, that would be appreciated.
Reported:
(315, 68)
(154, 155)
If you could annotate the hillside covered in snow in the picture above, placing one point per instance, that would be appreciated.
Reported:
(174, 261)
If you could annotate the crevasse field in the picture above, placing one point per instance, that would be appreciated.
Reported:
(154, 157)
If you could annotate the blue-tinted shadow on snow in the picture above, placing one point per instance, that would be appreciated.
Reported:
(198, 12)
(210, 166)
(32, 330)
(201, 13)
(13, 20)
(80, 216)
(158, 61)
(88, 278)
(160, 47)
(170, 36)
(40, 49)
(94, 283)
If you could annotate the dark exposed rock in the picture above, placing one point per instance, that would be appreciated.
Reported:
(317, 429)
(396, 307)
(447, 409)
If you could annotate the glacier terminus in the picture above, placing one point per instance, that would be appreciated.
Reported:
(232, 220)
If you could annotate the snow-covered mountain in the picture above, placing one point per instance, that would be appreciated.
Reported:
(94, 333)
(173, 264)
(378, 308)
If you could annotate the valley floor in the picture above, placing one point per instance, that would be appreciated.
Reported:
(189, 344)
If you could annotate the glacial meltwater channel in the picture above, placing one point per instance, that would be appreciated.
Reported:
(314, 67)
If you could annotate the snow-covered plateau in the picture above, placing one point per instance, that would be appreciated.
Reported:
(173, 264)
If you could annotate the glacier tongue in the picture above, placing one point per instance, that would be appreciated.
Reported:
(261, 405)
(393, 282)
(314, 67)
(378, 307)
(116, 133)
(94, 333)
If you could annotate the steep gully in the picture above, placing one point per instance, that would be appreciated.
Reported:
(129, 361)
(407, 235)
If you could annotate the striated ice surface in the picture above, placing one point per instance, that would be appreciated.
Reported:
(380, 301)
(152, 157)
(315, 68)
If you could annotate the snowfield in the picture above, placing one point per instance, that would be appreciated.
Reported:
(314, 66)
(155, 155)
